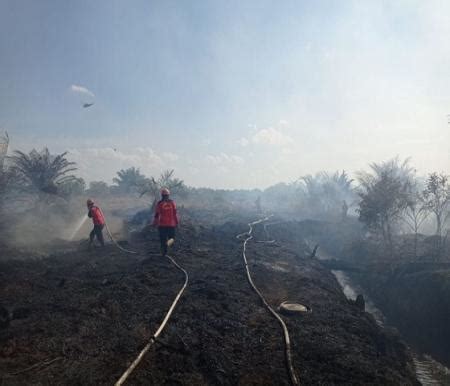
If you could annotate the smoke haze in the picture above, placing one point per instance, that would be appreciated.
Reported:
(231, 95)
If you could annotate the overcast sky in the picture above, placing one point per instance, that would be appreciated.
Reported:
(229, 93)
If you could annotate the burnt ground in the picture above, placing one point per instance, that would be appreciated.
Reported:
(81, 317)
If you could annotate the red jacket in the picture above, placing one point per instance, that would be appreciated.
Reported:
(97, 216)
(166, 214)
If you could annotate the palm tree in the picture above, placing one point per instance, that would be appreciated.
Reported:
(129, 179)
(324, 193)
(165, 180)
(41, 171)
(385, 195)
(436, 197)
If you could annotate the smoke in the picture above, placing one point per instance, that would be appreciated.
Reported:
(37, 224)
(81, 90)
(31, 223)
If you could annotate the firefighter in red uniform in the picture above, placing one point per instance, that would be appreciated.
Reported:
(166, 220)
(96, 214)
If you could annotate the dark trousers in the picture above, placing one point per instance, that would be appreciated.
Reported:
(97, 231)
(165, 233)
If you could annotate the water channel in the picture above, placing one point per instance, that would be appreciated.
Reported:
(428, 370)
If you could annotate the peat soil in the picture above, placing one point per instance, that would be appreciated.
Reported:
(82, 317)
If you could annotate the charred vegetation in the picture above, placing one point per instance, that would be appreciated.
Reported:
(78, 315)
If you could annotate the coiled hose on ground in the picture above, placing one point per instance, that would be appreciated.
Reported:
(288, 353)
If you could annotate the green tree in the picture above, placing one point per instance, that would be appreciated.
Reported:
(152, 186)
(130, 180)
(42, 172)
(74, 187)
(324, 193)
(98, 188)
(415, 213)
(384, 195)
(436, 197)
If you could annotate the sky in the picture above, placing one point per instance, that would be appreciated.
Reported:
(230, 94)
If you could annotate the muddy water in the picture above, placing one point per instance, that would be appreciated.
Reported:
(428, 370)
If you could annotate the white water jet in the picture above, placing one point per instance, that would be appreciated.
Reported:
(78, 227)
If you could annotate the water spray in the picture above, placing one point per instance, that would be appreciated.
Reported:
(83, 220)
(78, 227)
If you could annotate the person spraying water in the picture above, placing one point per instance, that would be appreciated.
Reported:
(98, 219)
(166, 219)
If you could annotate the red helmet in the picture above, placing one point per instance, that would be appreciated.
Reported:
(165, 192)
(89, 202)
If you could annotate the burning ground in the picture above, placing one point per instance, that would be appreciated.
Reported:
(81, 317)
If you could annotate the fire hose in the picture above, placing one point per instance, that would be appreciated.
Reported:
(287, 340)
(152, 340)
(113, 239)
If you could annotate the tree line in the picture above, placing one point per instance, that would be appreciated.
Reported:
(386, 198)
(44, 175)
